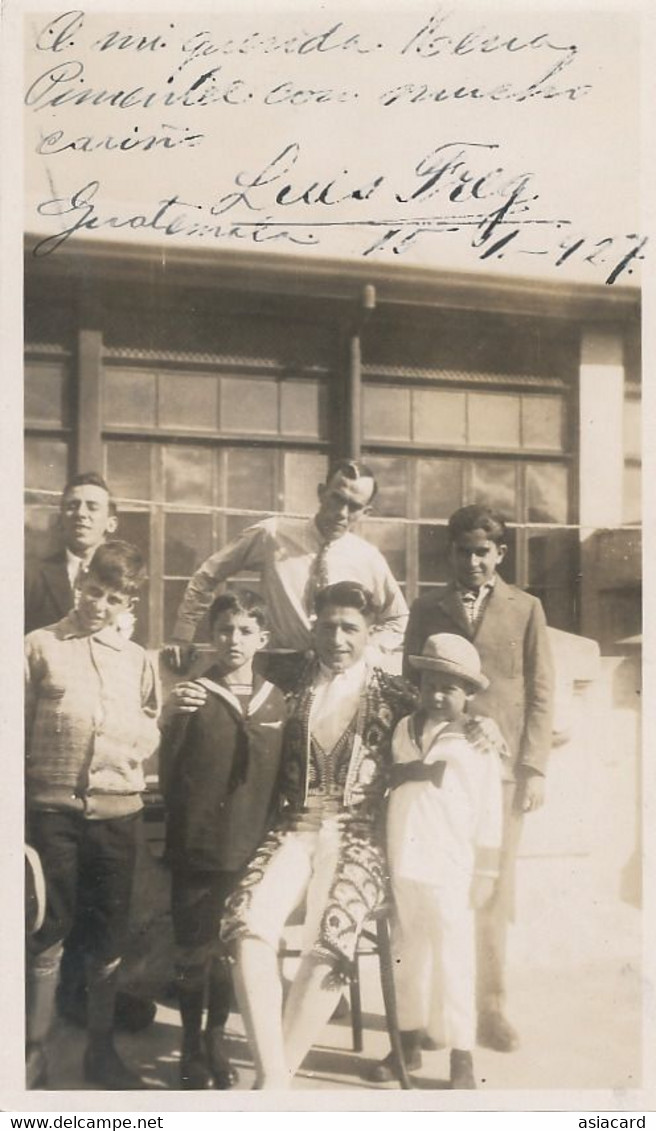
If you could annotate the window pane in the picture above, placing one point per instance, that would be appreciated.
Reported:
(251, 479)
(433, 554)
(135, 528)
(543, 423)
(493, 420)
(508, 567)
(46, 463)
(386, 413)
(303, 472)
(632, 418)
(187, 475)
(438, 417)
(559, 607)
(46, 392)
(546, 492)
(440, 487)
(632, 491)
(389, 537)
(553, 570)
(553, 559)
(391, 474)
(302, 409)
(129, 397)
(493, 483)
(128, 469)
(188, 401)
(41, 534)
(235, 523)
(248, 405)
(187, 542)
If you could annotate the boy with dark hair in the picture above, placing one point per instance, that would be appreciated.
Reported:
(218, 766)
(91, 706)
(508, 628)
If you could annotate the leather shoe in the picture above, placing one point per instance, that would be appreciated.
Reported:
(195, 1074)
(224, 1073)
(462, 1069)
(387, 1070)
(103, 1066)
(428, 1044)
(132, 1013)
(496, 1032)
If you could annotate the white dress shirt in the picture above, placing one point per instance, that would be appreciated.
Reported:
(282, 551)
(335, 702)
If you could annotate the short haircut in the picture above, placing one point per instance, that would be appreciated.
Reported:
(347, 595)
(478, 517)
(90, 479)
(353, 469)
(243, 601)
(120, 566)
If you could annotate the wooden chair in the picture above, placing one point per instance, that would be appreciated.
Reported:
(375, 941)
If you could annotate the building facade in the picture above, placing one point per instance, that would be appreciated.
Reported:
(212, 390)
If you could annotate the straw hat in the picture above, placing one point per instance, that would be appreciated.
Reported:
(446, 652)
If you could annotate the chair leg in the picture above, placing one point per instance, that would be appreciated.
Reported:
(389, 998)
(356, 1006)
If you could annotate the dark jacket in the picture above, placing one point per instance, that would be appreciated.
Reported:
(48, 593)
(511, 639)
(218, 772)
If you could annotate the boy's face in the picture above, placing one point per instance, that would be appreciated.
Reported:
(236, 638)
(342, 502)
(475, 558)
(341, 635)
(442, 695)
(85, 518)
(98, 605)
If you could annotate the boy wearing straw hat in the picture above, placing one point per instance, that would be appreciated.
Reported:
(443, 841)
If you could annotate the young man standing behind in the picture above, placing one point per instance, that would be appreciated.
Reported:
(508, 628)
(87, 516)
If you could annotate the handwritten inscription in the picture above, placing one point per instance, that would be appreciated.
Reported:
(184, 87)
(489, 232)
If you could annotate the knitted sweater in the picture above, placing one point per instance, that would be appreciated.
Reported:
(90, 706)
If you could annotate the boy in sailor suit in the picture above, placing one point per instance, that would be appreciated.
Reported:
(443, 840)
(219, 765)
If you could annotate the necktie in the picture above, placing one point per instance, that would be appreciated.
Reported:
(317, 578)
(469, 597)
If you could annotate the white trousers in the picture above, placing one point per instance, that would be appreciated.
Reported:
(302, 868)
(435, 963)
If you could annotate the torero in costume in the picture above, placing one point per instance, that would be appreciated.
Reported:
(327, 851)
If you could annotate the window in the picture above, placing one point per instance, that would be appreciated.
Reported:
(436, 449)
(47, 393)
(186, 501)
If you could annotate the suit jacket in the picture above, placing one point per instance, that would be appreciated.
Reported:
(48, 593)
(511, 639)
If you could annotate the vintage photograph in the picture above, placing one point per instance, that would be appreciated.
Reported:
(333, 613)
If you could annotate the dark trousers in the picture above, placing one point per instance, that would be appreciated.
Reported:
(89, 869)
(197, 906)
(492, 921)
